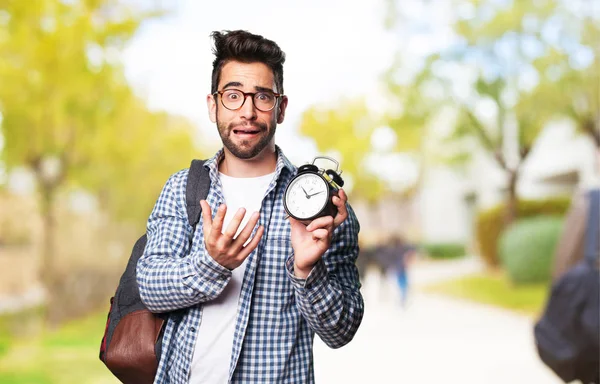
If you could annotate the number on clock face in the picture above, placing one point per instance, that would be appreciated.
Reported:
(307, 195)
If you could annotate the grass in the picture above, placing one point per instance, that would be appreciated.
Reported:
(68, 355)
(495, 289)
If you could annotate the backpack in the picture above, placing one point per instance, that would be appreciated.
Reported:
(567, 335)
(132, 341)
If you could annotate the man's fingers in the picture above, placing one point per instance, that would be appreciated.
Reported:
(252, 244)
(235, 223)
(217, 223)
(321, 222)
(340, 202)
(247, 231)
(206, 217)
(320, 234)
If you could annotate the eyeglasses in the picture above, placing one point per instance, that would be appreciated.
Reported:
(233, 99)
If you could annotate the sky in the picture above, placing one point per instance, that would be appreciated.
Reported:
(334, 49)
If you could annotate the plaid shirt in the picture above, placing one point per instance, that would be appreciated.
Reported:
(278, 313)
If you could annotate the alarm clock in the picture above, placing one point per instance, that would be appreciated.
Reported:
(309, 194)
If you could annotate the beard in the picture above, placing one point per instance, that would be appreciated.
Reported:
(245, 149)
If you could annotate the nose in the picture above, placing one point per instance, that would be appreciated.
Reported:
(248, 110)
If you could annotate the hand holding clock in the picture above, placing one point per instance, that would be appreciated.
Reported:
(311, 241)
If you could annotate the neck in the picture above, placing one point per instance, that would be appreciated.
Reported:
(260, 165)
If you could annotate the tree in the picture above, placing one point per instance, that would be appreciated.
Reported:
(129, 160)
(414, 105)
(63, 95)
(569, 71)
(515, 60)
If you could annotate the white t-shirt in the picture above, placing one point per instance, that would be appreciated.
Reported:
(212, 354)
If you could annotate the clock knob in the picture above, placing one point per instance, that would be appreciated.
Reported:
(308, 168)
(335, 177)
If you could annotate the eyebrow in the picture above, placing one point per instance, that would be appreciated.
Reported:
(238, 84)
(263, 89)
(233, 84)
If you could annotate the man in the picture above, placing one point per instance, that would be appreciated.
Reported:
(254, 285)
(401, 257)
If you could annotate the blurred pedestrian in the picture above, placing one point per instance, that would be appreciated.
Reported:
(403, 255)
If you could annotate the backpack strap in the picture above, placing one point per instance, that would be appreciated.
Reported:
(592, 233)
(198, 185)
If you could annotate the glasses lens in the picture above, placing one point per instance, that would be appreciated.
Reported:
(232, 99)
(264, 101)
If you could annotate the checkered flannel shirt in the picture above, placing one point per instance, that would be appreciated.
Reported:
(278, 313)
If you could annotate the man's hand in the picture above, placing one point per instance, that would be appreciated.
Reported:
(226, 250)
(310, 242)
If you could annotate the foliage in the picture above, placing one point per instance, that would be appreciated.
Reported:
(508, 69)
(54, 95)
(444, 250)
(65, 99)
(527, 248)
(345, 129)
(70, 117)
(490, 224)
(495, 289)
(569, 69)
(131, 164)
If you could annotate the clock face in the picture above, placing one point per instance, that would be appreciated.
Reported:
(306, 196)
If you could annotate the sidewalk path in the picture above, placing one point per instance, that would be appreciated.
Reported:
(435, 340)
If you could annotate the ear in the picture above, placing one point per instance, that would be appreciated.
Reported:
(212, 107)
(281, 109)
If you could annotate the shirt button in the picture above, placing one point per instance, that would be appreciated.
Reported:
(193, 329)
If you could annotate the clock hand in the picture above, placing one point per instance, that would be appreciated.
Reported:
(305, 193)
(309, 196)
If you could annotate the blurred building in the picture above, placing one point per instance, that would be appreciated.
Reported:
(445, 207)
(560, 162)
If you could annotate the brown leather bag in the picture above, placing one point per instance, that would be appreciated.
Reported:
(140, 352)
(132, 342)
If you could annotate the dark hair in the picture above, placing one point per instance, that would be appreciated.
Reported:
(246, 47)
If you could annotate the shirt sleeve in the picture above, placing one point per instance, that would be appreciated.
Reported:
(169, 276)
(329, 298)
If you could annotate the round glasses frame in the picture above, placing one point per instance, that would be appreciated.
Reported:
(245, 96)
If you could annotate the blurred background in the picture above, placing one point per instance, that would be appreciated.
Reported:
(464, 129)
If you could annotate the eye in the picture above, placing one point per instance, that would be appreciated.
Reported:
(232, 95)
(264, 96)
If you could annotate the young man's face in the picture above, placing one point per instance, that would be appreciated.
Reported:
(246, 131)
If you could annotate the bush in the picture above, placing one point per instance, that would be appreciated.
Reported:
(444, 250)
(527, 248)
(490, 223)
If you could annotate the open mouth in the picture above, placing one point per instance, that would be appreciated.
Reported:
(246, 131)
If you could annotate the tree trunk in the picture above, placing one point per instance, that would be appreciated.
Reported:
(511, 198)
(593, 130)
(48, 270)
(48, 273)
